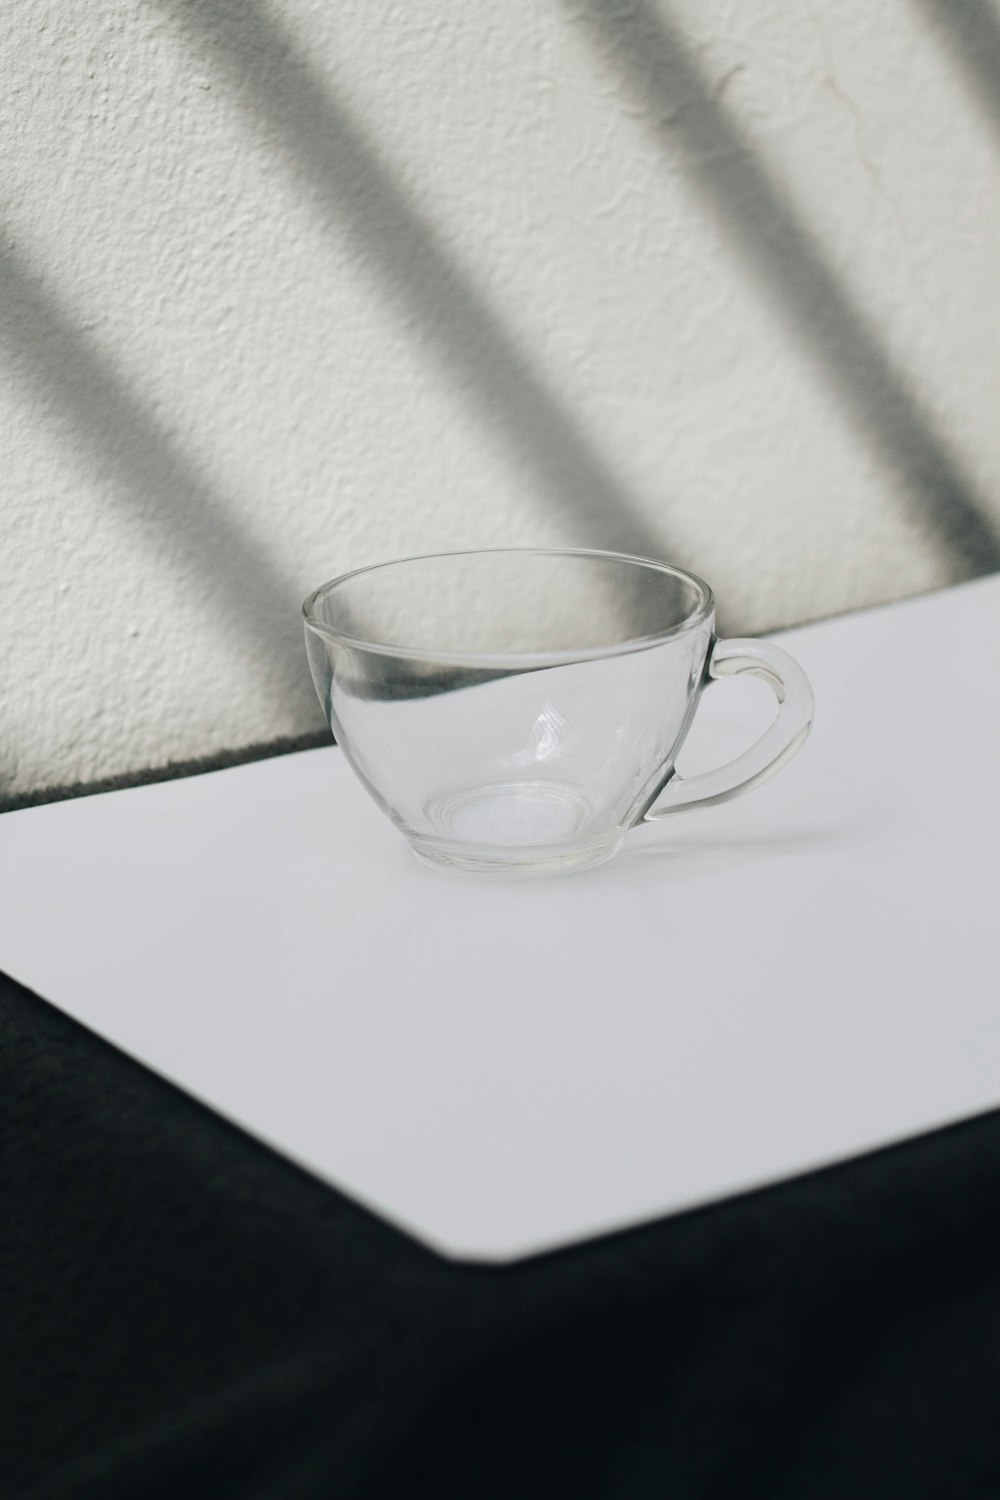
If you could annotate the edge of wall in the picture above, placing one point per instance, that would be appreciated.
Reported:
(172, 771)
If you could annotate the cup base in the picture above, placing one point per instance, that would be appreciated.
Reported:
(463, 860)
(528, 827)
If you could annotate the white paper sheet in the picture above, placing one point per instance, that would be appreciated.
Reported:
(501, 1067)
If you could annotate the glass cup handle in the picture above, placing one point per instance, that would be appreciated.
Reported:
(776, 745)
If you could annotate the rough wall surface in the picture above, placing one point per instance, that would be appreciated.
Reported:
(288, 287)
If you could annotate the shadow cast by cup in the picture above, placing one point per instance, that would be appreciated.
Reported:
(685, 855)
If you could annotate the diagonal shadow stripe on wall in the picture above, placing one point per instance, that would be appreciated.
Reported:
(794, 272)
(404, 252)
(971, 30)
(163, 487)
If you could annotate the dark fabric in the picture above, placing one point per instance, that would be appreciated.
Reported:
(184, 1313)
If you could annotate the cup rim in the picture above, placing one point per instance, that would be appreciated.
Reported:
(701, 612)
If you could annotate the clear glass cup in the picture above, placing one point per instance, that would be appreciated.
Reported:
(520, 710)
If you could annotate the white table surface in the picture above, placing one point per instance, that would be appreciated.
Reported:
(503, 1067)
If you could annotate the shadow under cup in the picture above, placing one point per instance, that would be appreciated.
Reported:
(512, 710)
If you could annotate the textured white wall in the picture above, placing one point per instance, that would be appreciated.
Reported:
(290, 287)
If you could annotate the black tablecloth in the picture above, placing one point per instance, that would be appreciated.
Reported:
(185, 1313)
